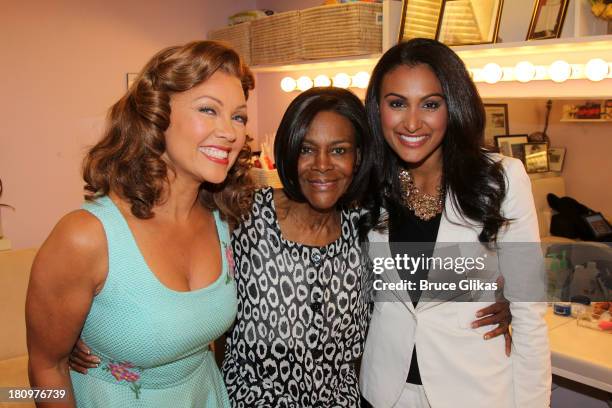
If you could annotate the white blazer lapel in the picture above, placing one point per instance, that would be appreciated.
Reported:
(380, 241)
(451, 230)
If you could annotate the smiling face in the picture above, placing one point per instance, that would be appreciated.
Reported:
(327, 160)
(413, 114)
(207, 129)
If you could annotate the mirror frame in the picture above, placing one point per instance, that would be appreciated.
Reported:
(495, 20)
(401, 34)
(535, 15)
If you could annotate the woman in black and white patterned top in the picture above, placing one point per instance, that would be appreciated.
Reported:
(302, 307)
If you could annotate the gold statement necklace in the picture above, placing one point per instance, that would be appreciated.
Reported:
(425, 206)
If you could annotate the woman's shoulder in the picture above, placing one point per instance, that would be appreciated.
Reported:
(511, 165)
(80, 231)
(517, 179)
(263, 196)
(264, 203)
(262, 206)
(78, 238)
(354, 214)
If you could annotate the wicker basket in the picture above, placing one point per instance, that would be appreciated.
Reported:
(238, 36)
(276, 39)
(266, 178)
(341, 30)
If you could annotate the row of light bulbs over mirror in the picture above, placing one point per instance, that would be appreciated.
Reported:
(341, 80)
(559, 71)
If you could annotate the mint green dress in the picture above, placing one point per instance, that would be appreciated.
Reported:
(153, 341)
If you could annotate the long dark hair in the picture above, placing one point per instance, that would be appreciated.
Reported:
(295, 125)
(475, 181)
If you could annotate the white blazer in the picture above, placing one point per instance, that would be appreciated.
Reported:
(458, 367)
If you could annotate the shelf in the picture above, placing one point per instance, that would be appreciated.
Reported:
(570, 111)
(345, 62)
(587, 120)
(544, 174)
(589, 43)
(581, 41)
(541, 51)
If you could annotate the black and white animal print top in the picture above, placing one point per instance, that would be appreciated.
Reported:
(302, 316)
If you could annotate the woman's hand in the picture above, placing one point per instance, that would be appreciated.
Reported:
(497, 313)
(81, 359)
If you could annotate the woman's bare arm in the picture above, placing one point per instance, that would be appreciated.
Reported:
(67, 272)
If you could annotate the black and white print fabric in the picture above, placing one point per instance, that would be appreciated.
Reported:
(302, 316)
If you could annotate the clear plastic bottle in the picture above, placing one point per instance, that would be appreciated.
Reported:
(580, 305)
(592, 273)
(558, 276)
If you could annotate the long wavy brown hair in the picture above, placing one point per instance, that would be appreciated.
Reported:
(128, 160)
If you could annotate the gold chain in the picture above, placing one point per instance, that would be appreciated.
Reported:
(425, 206)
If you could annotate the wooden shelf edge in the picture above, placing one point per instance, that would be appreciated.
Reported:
(349, 61)
(593, 43)
(587, 120)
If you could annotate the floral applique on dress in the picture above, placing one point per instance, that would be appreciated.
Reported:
(229, 255)
(126, 371)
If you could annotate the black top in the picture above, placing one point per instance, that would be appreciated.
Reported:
(405, 226)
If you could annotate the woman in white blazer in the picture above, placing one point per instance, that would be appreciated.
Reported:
(443, 187)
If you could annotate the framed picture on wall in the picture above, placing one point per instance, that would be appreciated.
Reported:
(474, 22)
(536, 157)
(511, 145)
(420, 19)
(496, 122)
(556, 157)
(547, 19)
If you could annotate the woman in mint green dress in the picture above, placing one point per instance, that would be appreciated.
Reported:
(143, 272)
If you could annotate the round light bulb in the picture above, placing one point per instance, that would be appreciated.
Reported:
(596, 69)
(288, 84)
(524, 71)
(560, 71)
(342, 80)
(361, 79)
(304, 83)
(322, 80)
(492, 73)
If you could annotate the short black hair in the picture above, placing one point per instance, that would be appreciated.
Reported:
(295, 125)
